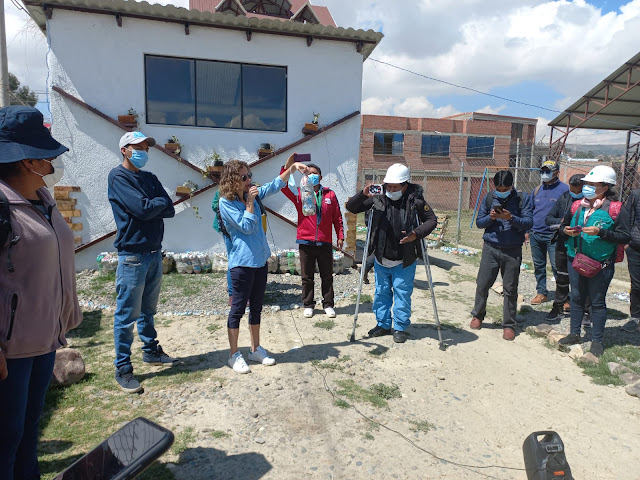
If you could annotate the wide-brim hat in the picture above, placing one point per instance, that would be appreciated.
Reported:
(24, 136)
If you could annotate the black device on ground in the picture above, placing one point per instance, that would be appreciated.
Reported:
(301, 157)
(544, 457)
(124, 455)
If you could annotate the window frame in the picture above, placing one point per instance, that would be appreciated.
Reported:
(388, 154)
(475, 155)
(448, 154)
(195, 74)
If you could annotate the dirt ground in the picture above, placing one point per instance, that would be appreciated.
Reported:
(473, 404)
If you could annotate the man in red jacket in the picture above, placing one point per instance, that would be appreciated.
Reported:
(315, 239)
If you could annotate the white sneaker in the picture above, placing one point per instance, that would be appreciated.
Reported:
(308, 312)
(261, 356)
(236, 361)
(331, 313)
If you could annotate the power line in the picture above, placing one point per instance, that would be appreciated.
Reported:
(492, 95)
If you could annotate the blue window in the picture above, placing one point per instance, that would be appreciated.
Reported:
(435, 145)
(207, 93)
(480, 147)
(388, 143)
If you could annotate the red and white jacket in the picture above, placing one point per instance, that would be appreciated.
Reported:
(309, 228)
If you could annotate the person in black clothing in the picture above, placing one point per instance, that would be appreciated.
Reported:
(395, 241)
(506, 216)
(555, 220)
(633, 259)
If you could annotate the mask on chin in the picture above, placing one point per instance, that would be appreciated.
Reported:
(52, 178)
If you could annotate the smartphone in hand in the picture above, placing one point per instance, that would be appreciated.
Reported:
(301, 157)
(577, 228)
(375, 189)
(499, 209)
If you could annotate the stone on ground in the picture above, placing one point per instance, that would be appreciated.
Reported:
(576, 352)
(68, 369)
(554, 337)
(633, 390)
(629, 378)
(590, 359)
(617, 369)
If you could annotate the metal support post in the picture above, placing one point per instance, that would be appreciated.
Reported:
(458, 231)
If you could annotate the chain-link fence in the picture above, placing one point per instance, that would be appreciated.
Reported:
(455, 195)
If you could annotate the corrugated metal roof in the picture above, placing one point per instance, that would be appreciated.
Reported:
(623, 113)
(171, 13)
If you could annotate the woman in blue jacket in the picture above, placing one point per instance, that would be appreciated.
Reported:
(506, 216)
(249, 253)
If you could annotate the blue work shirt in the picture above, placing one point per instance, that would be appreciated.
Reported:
(249, 247)
(505, 233)
(543, 202)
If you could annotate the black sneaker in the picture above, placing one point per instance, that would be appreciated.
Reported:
(399, 337)
(631, 326)
(554, 315)
(378, 331)
(596, 348)
(126, 380)
(570, 339)
(159, 358)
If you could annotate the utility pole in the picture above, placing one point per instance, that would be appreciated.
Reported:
(4, 66)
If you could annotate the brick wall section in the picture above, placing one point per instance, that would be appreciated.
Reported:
(442, 193)
(68, 206)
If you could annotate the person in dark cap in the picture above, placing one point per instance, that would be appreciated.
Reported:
(139, 203)
(38, 302)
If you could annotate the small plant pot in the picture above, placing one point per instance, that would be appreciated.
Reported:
(310, 128)
(263, 152)
(215, 169)
(183, 191)
(172, 147)
(126, 119)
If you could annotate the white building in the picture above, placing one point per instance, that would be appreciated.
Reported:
(226, 82)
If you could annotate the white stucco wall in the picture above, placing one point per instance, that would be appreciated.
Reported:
(107, 72)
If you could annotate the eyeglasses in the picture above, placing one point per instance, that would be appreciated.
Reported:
(247, 175)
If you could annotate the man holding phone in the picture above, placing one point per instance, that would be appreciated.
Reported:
(506, 216)
(314, 237)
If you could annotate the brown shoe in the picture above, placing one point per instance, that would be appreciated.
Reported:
(567, 307)
(508, 334)
(538, 299)
(476, 323)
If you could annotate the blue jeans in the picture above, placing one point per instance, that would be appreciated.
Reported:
(138, 281)
(596, 288)
(228, 245)
(22, 396)
(541, 246)
(394, 286)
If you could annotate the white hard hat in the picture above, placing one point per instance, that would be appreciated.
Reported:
(601, 174)
(397, 173)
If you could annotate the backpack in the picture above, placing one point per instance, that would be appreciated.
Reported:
(6, 232)
(614, 211)
(218, 223)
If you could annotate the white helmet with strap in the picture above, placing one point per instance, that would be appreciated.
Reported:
(397, 173)
(601, 174)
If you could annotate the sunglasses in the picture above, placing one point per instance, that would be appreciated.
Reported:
(246, 175)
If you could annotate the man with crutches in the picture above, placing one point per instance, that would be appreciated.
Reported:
(394, 239)
(506, 216)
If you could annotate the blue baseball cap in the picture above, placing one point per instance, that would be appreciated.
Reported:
(24, 136)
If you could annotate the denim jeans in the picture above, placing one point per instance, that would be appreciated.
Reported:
(394, 286)
(541, 246)
(633, 259)
(228, 245)
(138, 281)
(507, 261)
(596, 288)
(22, 396)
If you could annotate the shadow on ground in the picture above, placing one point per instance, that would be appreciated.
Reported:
(207, 463)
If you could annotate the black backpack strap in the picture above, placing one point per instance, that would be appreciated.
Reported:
(6, 231)
(488, 201)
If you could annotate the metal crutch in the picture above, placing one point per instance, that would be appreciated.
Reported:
(427, 267)
(362, 268)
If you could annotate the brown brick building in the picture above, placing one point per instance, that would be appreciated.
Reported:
(435, 148)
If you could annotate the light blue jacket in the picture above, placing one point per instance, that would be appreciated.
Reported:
(249, 242)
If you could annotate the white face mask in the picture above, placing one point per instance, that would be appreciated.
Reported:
(546, 177)
(52, 178)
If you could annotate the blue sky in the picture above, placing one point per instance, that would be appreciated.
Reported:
(543, 52)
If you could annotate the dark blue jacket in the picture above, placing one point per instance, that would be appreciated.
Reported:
(139, 203)
(506, 233)
(542, 202)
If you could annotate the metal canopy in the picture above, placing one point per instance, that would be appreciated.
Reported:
(614, 104)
